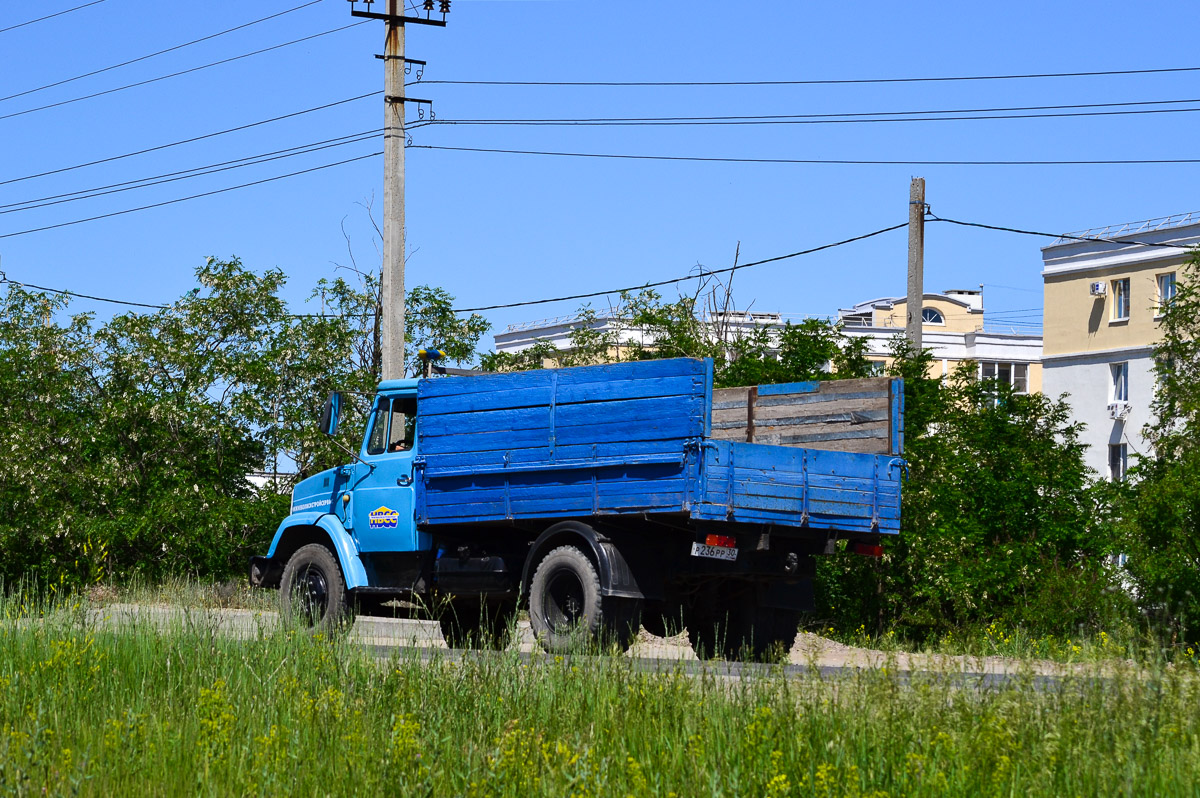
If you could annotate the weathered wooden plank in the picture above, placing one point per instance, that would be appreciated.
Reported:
(835, 429)
(877, 404)
(732, 414)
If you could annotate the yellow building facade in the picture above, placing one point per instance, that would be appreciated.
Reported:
(1103, 302)
(953, 328)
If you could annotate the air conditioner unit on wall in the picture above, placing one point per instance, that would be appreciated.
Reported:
(1118, 410)
(1098, 289)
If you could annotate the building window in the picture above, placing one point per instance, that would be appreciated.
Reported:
(1020, 377)
(1014, 374)
(932, 316)
(1118, 454)
(876, 368)
(1120, 308)
(1120, 382)
(1166, 290)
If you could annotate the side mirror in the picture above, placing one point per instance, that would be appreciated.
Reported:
(330, 414)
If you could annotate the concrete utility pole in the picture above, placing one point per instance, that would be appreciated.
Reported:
(394, 140)
(392, 322)
(916, 260)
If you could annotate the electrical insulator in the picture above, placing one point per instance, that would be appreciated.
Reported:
(445, 9)
(428, 5)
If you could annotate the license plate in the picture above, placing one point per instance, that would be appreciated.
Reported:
(715, 552)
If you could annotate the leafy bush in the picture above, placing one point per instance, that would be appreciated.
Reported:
(997, 518)
(128, 444)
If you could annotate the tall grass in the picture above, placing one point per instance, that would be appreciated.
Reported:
(93, 709)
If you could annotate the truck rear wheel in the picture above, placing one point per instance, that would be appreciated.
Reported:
(567, 609)
(475, 624)
(737, 628)
(312, 592)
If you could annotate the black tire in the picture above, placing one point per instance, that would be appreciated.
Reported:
(473, 624)
(567, 610)
(736, 628)
(312, 592)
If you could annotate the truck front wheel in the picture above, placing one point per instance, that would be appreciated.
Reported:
(312, 592)
(567, 608)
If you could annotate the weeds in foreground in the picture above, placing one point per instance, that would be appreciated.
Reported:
(95, 709)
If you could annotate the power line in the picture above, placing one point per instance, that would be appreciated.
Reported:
(827, 119)
(49, 16)
(703, 273)
(4, 279)
(192, 197)
(818, 161)
(158, 53)
(182, 72)
(190, 140)
(199, 171)
(826, 82)
(936, 218)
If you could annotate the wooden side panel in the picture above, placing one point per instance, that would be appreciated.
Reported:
(820, 490)
(862, 415)
(561, 443)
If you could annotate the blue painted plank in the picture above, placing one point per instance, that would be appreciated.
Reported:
(788, 388)
(688, 385)
(537, 396)
(483, 383)
(483, 441)
(633, 412)
(634, 370)
(470, 423)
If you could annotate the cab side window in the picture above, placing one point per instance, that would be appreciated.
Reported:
(377, 442)
(404, 425)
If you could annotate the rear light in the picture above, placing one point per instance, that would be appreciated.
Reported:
(868, 550)
(721, 541)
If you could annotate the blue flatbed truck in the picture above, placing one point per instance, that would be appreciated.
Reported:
(603, 498)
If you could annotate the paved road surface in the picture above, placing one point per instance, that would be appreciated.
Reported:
(387, 636)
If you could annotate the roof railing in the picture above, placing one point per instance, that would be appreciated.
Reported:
(1133, 228)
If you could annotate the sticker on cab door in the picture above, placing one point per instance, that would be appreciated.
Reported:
(384, 518)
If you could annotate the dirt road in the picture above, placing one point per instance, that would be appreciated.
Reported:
(388, 635)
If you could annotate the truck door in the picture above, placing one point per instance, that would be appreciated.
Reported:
(382, 505)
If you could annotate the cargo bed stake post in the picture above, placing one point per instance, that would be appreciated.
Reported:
(751, 399)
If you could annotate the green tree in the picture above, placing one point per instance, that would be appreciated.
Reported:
(643, 326)
(997, 517)
(130, 443)
(1155, 514)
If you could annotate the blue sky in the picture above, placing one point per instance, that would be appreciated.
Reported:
(494, 228)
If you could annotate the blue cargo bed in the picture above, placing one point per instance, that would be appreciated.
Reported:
(630, 439)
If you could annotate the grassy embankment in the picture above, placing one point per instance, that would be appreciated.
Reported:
(89, 709)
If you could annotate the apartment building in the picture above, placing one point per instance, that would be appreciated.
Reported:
(1103, 303)
(953, 328)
